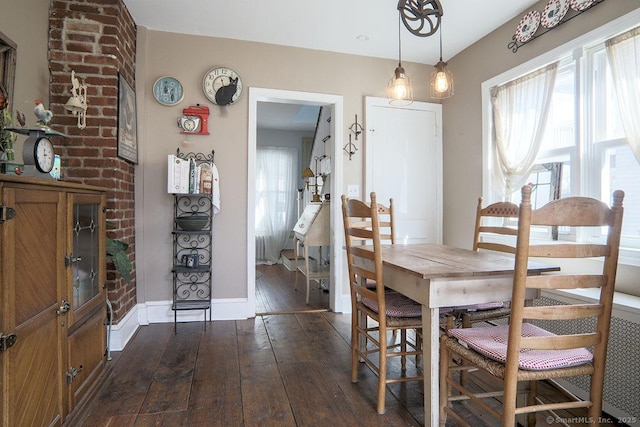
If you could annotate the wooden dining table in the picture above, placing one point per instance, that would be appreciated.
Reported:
(438, 276)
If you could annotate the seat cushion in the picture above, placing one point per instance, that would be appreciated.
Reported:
(397, 305)
(480, 307)
(492, 342)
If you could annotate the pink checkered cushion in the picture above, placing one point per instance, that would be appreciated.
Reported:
(397, 305)
(492, 342)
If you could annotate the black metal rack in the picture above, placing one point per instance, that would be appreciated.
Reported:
(192, 255)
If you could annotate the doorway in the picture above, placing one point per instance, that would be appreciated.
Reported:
(334, 102)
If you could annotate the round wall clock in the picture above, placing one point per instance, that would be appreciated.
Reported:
(168, 91)
(553, 12)
(528, 26)
(222, 86)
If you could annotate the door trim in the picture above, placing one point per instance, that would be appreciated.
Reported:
(336, 260)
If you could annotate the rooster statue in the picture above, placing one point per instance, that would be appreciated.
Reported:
(44, 116)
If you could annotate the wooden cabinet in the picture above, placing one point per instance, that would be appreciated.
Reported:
(312, 229)
(52, 304)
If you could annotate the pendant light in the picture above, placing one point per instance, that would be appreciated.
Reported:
(441, 86)
(399, 90)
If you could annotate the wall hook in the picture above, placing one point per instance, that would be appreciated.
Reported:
(350, 148)
(356, 128)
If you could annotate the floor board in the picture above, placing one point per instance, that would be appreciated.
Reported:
(289, 369)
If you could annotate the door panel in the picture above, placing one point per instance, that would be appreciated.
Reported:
(403, 155)
(30, 300)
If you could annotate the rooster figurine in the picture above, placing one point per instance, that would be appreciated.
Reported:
(44, 116)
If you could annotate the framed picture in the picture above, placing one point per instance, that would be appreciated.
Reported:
(127, 130)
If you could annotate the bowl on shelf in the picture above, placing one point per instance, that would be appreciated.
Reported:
(192, 222)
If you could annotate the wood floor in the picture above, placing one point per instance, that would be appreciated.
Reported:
(289, 369)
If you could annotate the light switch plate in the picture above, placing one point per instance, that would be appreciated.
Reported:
(353, 190)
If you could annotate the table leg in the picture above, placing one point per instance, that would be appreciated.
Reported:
(431, 364)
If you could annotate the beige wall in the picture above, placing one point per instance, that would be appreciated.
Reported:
(260, 65)
(32, 66)
(462, 114)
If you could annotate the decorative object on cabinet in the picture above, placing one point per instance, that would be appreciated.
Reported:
(192, 242)
(312, 230)
(194, 120)
(399, 90)
(43, 115)
(77, 102)
(421, 17)
(127, 125)
(38, 152)
(168, 91)
(441, 81)
(222, 86)
(54, 314)
(555, 13)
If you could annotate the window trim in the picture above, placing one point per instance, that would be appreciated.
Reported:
(575, 47)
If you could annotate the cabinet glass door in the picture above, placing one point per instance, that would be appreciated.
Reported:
(86, 252)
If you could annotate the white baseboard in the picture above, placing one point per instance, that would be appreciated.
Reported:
(160, 312)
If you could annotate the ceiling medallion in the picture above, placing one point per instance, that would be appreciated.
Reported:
(420, 17)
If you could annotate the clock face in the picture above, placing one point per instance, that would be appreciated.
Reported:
(222, 86)
(168, 91)
(43, 155)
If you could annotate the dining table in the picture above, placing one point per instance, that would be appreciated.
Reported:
(437, 276)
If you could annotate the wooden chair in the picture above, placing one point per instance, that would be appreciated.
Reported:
(484, 238)
(369, 299)
(524, 352)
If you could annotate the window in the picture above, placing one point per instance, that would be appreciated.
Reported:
(584, 150)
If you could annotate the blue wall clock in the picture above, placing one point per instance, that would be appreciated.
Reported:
(168, 91)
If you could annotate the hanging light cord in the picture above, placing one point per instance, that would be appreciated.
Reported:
(440, 41)
(400, 43)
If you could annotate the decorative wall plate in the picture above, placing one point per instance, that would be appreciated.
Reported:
(528, 26)
(581, 5)
(553, 12)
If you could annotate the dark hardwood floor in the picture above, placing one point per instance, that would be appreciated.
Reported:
(290, 369)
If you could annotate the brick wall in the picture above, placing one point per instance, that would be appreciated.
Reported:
(96, 39)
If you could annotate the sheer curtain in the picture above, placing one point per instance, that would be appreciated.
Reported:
(623, 52)
(520, 111)
(276, 182)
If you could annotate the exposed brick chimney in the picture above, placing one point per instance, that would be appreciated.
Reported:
(96, 39)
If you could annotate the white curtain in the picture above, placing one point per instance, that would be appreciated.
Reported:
(520, 111)
(623, 52)
(276, 192)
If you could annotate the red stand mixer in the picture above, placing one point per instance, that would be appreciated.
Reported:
(195, 120)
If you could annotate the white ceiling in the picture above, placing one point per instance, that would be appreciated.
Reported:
(356, 27)
(330, 25)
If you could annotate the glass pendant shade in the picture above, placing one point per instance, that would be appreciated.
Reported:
(399, 90)
(441, 82)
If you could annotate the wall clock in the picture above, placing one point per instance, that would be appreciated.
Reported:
(168, 91)
(222, 86)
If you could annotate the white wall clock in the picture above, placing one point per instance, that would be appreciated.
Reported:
(222, 86)
(168, 91)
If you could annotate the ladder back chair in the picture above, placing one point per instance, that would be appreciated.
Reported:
(493, 234)
(524, 351)
(370, 300)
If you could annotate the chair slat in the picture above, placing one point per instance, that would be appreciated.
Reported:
(560, 342)
(561, 281)
(564, 312)
(568, 250)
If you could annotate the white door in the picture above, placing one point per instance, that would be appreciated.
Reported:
(403, 155)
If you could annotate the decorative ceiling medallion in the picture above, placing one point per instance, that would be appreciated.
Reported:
(553, 12)
(420, 17)
(528, 26)
(581, 5)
